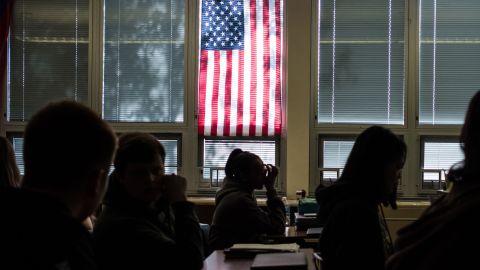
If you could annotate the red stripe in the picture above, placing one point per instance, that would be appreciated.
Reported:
(216, 82)
(202, 88)
(278, 88)
(5, 21)
(241, 58)
(228, 94)
(253, 72)
(266, 67)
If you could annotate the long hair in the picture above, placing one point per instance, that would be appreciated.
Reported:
(470, 143)
(9, 174)
(374, 150)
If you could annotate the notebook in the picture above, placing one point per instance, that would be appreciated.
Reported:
(250, 250)
(314, 231)
(279, 261)
(290, 247)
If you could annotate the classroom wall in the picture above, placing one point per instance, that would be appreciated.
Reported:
(298, 86)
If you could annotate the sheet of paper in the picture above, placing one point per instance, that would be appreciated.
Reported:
(291, 247)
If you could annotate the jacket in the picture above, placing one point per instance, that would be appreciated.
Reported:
(446, 236)
(238, 218)
(353, 236)
(38, 232)
(130, 235)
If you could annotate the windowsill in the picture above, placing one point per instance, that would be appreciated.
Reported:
(211, 201)
(262, 201)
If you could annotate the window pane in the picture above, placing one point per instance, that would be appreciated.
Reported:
(449, 59)
(216, 153)
(438, 157)
(48, 55)
(171, 158)
(335, 154)
(18, 149)
(361, 61)
(144, 61)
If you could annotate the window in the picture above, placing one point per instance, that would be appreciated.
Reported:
(438, 156)
(360, 72)
(239, 83)
(172, 148)
(144, 61)
(17, 143)
(216, 152)
(171, 145)
(47, 56)
(411, 66)
(449, 59)
(335, 152)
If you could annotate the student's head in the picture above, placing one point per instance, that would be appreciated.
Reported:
(470, 135)
(375, 163)
(139, 165)
(9, 174)
(246, 168)
(67, 151)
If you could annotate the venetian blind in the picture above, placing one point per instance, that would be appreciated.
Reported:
(449, 59)
(48, 55)
(144, 61)
(361, 49)
(216, 152)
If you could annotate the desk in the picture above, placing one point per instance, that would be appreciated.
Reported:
(291, 235)
(217, 261)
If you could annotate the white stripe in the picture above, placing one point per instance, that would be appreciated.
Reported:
(281, 64)
(234, 93)
(273, 67)
(221, 93)
(246, 66)
(259, 56)
(209, 92)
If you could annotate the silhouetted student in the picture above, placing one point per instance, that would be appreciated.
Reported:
(237, 218)
(9, 174)
(146, 222)
(355, 235)
(67, 152)
(447, 234)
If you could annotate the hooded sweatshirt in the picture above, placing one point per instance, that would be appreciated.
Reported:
(445, 236)
(132, 235)
(354, 234)
(238, 218)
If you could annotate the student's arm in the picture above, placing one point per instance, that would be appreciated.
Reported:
(188, 235)
(269, 222)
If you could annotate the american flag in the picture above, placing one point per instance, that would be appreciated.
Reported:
(240, 68)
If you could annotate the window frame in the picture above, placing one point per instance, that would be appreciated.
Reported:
(412, 131)
(430, 138)
(280, 183)
(186, 131)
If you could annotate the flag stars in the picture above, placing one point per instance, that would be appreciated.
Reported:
(222, 24)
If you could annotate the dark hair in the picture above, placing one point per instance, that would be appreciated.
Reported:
(63, 142)
(9, 174)
(374, 150)
(470, 143)
(137, 147)
(238, 164)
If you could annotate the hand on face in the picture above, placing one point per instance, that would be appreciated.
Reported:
(270, 176)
